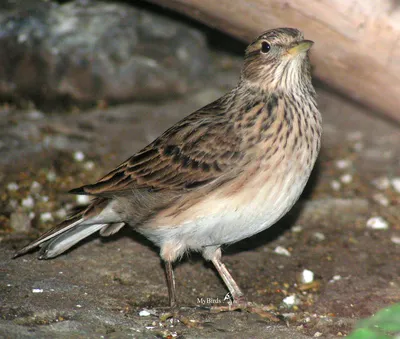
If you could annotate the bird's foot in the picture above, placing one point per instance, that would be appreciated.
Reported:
(175, 316)
(241, 304)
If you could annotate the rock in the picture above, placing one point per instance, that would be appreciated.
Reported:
(90, 51)
(20, 221)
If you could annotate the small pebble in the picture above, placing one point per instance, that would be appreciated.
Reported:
(396, 184)
(381, 199)
(79, 156)
(144, 313)
(297, 228)
(291, 300)
(61, 213)
(47, 216)
(79, 306)
(346, 178)
(51, 176)
(37, 290)
(36, 187)
(282, 251)
(12, 186)
(377, 223)
(343, 163)
(28, 202)
(395, 239)
(319, 236)
(89, 165)
(336, 277)
(381, 183)
(317, 334)
(82, 199)
(44, 198)
(335, 185)
(305, 277)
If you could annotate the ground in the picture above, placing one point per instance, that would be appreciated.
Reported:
(99, 288)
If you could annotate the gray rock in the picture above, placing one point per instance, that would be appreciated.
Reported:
(90, 51)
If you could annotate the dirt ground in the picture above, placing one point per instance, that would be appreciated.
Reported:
(102, 288)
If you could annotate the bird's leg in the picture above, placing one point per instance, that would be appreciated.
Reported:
(236, 293)
(239, 300)
(169, 272)
(174, 311)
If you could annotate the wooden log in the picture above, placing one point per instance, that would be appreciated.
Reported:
(357, 42)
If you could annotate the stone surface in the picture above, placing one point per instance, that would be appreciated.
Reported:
(86, 51)
(100, 286)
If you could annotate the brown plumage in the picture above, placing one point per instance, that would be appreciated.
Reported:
(225, 172)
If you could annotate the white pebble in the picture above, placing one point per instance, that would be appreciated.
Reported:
(144, 313)
(37, 290)
(343, 163)
(336, 277)
(291, 300)
(47, 216)
(317, 334)
(335, 185)
(395, 239)
(12, 186)
(28, 202)
(79, 306)
(396, 184)
(89, 165)
(36, 187)
(61, 213)
(319, 236)
(44, 198)
(79, 156)
(381, 199)
(381, 183)
(82, 199)
(346, 178)
(306, 277)
(51, 176)
(282, 251)
(297, 228)
(377, 223)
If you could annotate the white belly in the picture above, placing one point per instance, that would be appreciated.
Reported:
(221, 219)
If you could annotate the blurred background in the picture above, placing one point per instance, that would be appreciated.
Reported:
(85, 84)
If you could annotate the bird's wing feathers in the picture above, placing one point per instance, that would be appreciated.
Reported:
(196, 151)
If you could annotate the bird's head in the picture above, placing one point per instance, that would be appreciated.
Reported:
(278, 60)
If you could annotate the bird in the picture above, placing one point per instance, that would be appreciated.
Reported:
(222, 174)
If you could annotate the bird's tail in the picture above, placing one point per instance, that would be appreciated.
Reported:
(98, 216)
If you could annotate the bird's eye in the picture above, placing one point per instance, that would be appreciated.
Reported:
(265, 47)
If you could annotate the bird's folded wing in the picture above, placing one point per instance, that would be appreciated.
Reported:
(200, 149)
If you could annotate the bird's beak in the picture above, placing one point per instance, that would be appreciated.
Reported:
(300, 47)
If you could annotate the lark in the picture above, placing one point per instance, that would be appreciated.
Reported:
(224, 173)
